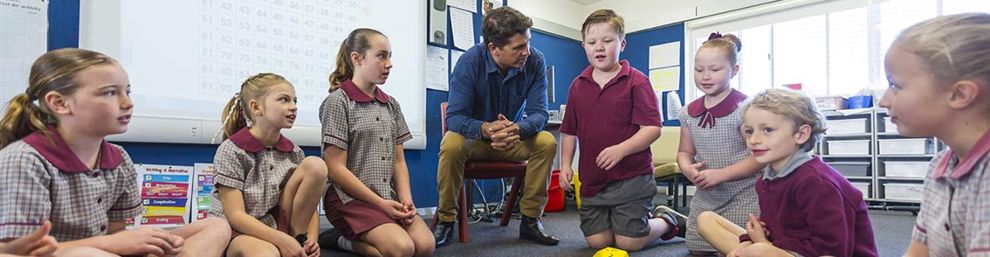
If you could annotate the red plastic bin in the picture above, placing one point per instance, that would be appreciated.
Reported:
(555, 194)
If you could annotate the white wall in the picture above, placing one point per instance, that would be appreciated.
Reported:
(560, 17)
(564, 17)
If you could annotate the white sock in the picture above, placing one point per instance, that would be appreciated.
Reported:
(345, 244)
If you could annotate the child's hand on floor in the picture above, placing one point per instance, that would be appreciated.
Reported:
(757, 230)
(38, 243)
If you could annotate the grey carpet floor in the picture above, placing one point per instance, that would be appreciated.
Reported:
(892, 231)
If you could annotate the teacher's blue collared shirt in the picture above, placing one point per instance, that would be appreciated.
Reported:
(479, 93)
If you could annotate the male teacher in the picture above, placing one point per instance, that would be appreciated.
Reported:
(497, 110)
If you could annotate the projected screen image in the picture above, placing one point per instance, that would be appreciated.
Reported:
(186, 59)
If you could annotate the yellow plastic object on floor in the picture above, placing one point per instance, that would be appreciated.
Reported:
(611, 252)
(577, 189)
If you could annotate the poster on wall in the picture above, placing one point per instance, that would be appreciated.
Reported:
(203, 180)
(673, 105)
(437, 68)
(467, 5)
(24, 37)
(665, 55)
(665, 79)
(462, 27)
(165, 192)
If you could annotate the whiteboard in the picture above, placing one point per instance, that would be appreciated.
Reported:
(187, 58)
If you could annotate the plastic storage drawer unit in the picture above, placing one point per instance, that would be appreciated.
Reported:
(846, 126)
(905, 169)
(863, 187)
(848, 147)
(852, 169)
(904, 146)
(900, 191)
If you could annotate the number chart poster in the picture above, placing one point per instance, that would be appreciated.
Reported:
(165, 192)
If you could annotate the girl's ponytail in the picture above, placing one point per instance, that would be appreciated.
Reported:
(22, 118)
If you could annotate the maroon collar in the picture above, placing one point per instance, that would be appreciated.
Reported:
(722, 109)
(57, 152)
(966, 165)
(355, 94)
(624, 71)
(246, 141)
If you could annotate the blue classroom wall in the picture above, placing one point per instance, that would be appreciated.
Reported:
(638, 52)
(564, 54)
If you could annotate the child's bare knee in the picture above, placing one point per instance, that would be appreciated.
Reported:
(313, 167)
(217, 225)
(83, 252)
(757, 249)
(598, 242)
(629, 244)
(707, 217)
(425, 247)
(398, 248)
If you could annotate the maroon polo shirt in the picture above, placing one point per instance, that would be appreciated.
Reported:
(601, 117)
(815, 211)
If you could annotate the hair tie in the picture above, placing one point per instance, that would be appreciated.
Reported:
(714, 35)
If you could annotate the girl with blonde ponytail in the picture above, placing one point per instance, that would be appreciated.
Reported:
(59, 168)
(265, 187)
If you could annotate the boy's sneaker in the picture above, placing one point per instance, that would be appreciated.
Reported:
(676, 220)
(330, 238)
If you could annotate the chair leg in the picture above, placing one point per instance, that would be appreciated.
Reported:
(673, 188)
(462, 215)
(436, 219)
(684, 193)
(671, 197)
(511, 203)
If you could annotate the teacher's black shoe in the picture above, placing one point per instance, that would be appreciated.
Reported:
(531, 229)
(443, 233)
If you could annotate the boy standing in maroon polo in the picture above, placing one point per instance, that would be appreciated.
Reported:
(614, 113)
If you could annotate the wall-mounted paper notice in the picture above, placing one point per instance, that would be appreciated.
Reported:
(665, 55)
(462, 27)
(673, 105)
(24, 30)
(666, 79)
(436, 68)
(467, 5)
(454, 56)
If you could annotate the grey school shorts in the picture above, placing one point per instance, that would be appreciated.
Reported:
(623, 206)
